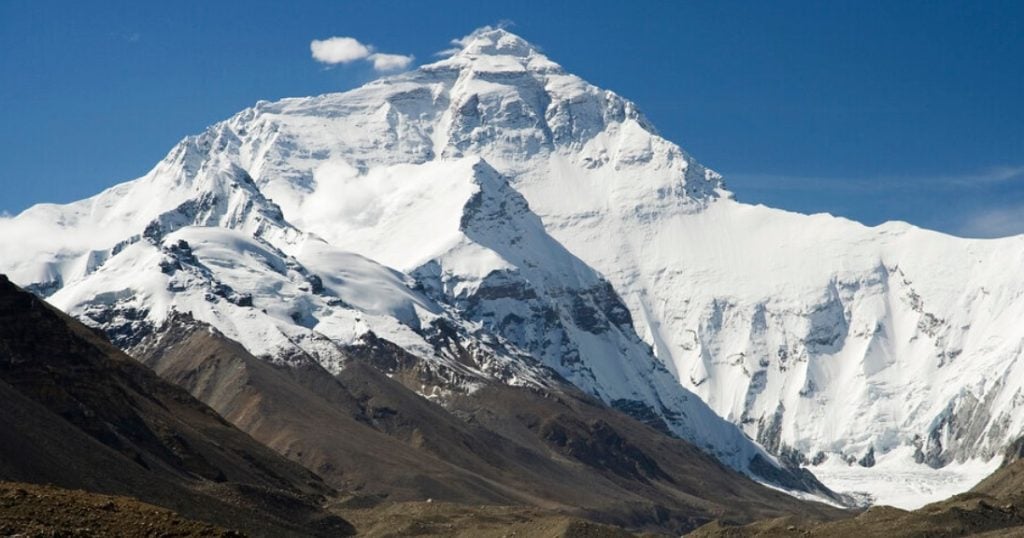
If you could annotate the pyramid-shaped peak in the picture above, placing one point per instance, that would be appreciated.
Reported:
(489, 41)
(491, 49)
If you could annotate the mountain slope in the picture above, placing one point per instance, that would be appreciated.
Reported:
(1008, 480)
(80, 414)
(557, 449)
(489, 294)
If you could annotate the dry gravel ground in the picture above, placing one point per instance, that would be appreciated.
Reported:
(427, 519)
(31, 510)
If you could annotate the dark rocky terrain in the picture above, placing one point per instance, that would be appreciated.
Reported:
(30, 510)
(80, 414)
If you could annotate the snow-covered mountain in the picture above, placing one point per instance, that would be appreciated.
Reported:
(543, 222)
(484, 293)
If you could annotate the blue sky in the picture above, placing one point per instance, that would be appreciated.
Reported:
(869, 110)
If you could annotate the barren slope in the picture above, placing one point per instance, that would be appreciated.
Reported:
(78, 413)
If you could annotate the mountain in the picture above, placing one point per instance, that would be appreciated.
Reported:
(80, 414)
(499, 218)
(484, 293)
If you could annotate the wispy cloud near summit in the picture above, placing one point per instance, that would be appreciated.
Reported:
(982, 178)
(994, 222)
(389, 62)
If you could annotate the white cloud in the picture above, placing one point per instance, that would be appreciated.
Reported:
(979, 179)
(343, 50)
(390, 62)
(40, 231)
(998, 222)
(339, 50)
(460, 43)
(995, 174)
(342, 194)
(447, 52)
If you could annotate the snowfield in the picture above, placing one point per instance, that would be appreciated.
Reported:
(897, 481)
(548, 223)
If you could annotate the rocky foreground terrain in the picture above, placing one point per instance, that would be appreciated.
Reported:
(31, 510)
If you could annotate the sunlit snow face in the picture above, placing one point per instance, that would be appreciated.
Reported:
(343, 194)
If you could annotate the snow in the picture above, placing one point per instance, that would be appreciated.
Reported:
(401, 215)
(849, 331)
(497, 192)
(898, 481)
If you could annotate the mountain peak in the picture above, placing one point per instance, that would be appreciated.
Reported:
(491, 49)
(491, 41)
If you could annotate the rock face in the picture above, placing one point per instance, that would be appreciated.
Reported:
(535, 224)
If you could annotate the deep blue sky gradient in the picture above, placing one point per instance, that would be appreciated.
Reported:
(870, 110)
